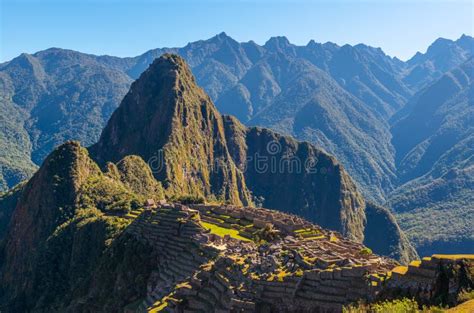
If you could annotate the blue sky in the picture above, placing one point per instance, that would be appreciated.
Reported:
(129, 28)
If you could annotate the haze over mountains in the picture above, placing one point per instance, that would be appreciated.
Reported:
(348, 100)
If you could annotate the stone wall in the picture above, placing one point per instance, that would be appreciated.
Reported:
(304, 268)
(433, 280)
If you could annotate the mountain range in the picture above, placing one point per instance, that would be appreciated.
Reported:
(68, 234)
(354, 102)
(436, 163)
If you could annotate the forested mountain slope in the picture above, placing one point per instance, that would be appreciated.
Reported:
(343, 99)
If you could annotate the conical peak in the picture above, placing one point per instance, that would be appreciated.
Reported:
(167, 75)
(161, 106)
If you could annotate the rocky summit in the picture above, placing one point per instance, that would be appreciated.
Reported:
(165, 213)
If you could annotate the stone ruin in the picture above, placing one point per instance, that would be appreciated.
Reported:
(231, 259)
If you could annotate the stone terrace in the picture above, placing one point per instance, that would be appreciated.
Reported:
(232, 259)
(430, 279)
(284, 260)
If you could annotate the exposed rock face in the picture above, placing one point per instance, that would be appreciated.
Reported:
(166, 115)
(8, 202)
(336, 97)
(298, 178)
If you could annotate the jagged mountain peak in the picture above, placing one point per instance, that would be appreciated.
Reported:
(277, 43)
(222, 36)
(25, 64)
(168, 123)
(312, 44)
(439, 45)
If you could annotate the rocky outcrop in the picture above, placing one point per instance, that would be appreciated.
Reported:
(297, 178)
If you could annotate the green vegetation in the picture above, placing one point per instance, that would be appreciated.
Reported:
(205, 152)
(366, 251)
(466, 296)
(8, 201)
(81, 94)
(15, 145)
(221, 231)
(435, 204)
(188, 199)
(383, 233)
(395, 306)
(77, 245)
(107, 194)
(135, 174)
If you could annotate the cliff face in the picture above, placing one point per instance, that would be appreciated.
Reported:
(173, 125)
(8, 203)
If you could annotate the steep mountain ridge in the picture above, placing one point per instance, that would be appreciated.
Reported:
(354, 90)
(242, 79)
(441, 56)
(447, 108)
(204, 154)
(435, 164)
(63, 220)
(166, 118)
(326, 115)
(48, 98)
(54, 186)
(69, 233)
